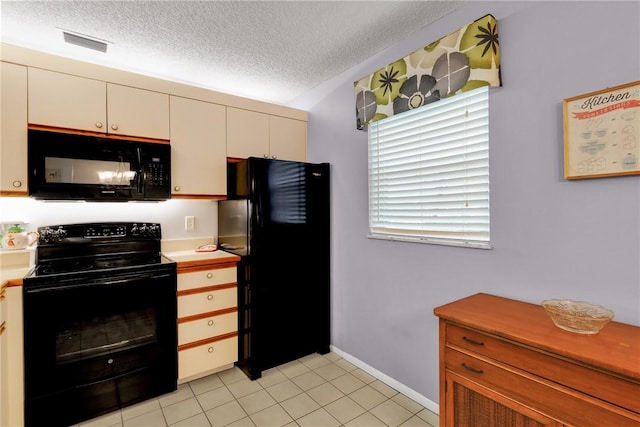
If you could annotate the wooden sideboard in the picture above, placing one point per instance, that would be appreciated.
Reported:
(504, 363)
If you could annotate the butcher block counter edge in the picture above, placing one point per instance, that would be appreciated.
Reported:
(192, 259)
(616, 348)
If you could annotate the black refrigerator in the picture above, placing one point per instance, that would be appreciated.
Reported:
(276, 217)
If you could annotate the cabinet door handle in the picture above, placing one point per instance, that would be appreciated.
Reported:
(471, 368)
(114, 127)
(3, 327)
(99, 125)
(472, 341)
(17, 184)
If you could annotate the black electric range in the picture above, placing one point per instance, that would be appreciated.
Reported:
(100, 314)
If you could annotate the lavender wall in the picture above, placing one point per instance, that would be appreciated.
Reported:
(551, 237)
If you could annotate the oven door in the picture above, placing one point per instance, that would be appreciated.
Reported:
(94, 345)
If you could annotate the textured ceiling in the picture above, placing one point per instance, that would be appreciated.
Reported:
(269, 50)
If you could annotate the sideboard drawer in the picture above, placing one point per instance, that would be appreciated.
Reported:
(590, 381)
(570, 407)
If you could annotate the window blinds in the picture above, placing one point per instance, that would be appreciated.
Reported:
(429, 173)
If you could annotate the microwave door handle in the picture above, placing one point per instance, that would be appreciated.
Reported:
(140, 170)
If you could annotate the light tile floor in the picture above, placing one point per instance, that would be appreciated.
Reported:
(316, 390)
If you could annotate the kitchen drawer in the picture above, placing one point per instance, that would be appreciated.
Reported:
(567, 405)
(213, 276)
(207, 357)
(208, 301)
(620, 391)
(207, 327)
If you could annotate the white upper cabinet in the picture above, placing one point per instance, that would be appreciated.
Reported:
(13, 129)
(198, 148)
(247, 133)
(288, 138)
(72, 102)
(66, 101)
(253, 134)
(139, 112)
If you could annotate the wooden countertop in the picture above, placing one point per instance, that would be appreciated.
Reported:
(14, 265)
(616, 348)
(13, 276)
(191, 258)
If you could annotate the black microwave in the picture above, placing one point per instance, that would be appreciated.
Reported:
(68, 166)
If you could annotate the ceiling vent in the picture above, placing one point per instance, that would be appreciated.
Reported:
(85, 41)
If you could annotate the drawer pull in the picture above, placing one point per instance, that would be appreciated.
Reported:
(471, 368)
(209, 275)
(210, 323)
(210, 349)
(209, 297)
(472, 341)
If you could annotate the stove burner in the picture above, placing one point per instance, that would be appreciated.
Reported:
(66, 267)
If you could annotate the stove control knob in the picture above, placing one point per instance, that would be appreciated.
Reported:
(134, 230)
(153, 230)
(60, 234)
(46, 235)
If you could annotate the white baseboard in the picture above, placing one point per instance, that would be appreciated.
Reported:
(410, 393)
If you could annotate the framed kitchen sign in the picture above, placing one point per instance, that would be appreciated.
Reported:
(602, 133)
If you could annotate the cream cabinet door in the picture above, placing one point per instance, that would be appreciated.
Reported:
(66, 101)
(11, 360)
(4, 356)
(247, 133)
(13, 129)
(207, 357)
(287, 139)
(198, 148)
(137, 112)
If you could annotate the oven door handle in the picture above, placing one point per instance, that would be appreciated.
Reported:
(107, 281)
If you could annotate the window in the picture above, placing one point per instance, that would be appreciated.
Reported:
(429, 173)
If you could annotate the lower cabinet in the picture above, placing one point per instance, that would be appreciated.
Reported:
(11, 356)
(207, 320)
(205, 359)
(504, 363)
(474, 405)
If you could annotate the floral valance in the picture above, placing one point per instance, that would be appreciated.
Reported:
(463, 60)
